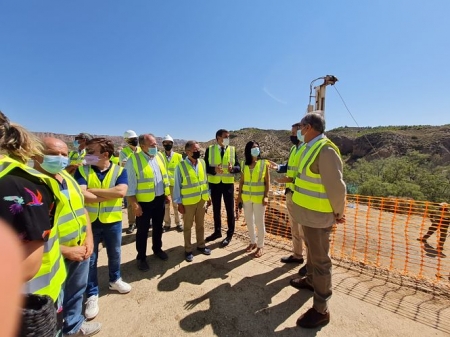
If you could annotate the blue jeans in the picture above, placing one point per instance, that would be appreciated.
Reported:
(112, 235)
(76, 282)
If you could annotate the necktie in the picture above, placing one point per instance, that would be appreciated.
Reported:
(222, 151)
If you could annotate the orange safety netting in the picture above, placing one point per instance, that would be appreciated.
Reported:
(380, 232)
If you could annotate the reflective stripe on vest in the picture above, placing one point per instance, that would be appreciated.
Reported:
(52, 272)
(194, 187)
(309, 192)
(128, 151)
(71, 215)
(109, 211)
(146, 177)
(76, 157)
(294, 158)
(254, 185)
(215, 160)
(170, 165)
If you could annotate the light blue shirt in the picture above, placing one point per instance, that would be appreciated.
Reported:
(311, 143)
(176, 197)
(132, 176)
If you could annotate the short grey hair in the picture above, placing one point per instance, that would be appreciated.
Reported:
(189, 144)
(316, 121)
(141, 138)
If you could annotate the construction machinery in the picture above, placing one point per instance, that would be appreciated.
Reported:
(319, 96)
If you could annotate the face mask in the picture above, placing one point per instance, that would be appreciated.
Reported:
(196, 154)
(91, 159)
(168, 147)
(226, 141)
(132, 142)
(153, 151)
(255, 151)
(300, 137)
(294, 140)
(54, 164)
(76, 143)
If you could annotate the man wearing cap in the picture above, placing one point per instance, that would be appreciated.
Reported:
(131, 139)
(171, 160)
(76, 157)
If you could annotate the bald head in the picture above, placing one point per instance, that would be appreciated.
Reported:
(54, 147)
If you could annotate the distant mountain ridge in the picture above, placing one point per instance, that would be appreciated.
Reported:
(353, 142)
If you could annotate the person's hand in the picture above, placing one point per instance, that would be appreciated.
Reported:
(167, 201)
(340, 219)
(181, 209)
(218, 169)
(76, 253)
(230, 168)
(89, 244)
(208, 203)
(273, 165)
(265, 201)
(137, 209)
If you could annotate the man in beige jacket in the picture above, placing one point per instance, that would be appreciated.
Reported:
(319, 202)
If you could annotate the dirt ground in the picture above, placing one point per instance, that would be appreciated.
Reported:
(230, 293)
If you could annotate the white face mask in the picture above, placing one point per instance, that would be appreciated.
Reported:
(226, 141)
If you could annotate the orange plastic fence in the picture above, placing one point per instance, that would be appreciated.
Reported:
(386, 233)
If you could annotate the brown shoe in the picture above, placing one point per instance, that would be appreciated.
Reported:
(300, 283)
(313, 319)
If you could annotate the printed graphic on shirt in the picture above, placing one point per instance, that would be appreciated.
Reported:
(36, 199)
(17, 207)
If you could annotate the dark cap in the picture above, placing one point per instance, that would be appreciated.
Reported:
(83, 135)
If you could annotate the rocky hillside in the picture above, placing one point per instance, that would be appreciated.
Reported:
(354, 143)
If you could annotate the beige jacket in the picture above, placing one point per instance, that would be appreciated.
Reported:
(329, 165)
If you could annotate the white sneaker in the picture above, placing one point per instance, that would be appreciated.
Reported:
(87, 329)
(91, 307)
(120, 286)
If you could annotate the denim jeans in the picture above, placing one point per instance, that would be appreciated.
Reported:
(74, 288)
(112, 236)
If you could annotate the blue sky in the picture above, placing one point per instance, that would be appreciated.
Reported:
(191, 67)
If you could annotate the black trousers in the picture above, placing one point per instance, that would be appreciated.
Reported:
(153, 210)
(227, 191)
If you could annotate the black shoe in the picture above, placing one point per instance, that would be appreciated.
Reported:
(162, 255)
(300, 283)
(131, 228)
(166, 229)
(213, 236)
(204, 250)
(292, 259)
(225, 242)
(303, 271)
(188, 256)
(179, 228)
(142, 265)
(313, 319)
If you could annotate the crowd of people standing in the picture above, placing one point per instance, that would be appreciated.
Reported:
(69, 203)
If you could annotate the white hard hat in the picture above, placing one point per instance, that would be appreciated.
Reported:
(167, 138)
(130, 134)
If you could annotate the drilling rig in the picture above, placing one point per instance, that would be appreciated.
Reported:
(319, 94)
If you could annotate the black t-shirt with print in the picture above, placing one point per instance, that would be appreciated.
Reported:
(26, 204)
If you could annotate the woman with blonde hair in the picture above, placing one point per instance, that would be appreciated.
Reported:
(253, 193)
(27, 201)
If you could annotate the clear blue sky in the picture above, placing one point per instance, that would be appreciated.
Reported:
(191, 67)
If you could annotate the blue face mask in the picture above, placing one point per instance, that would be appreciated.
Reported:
(255, 151)
(300, 137)
(153, 151)
(76, 143)
(54, 164)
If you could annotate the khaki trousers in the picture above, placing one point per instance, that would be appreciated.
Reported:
(167, 220)
(296, 229)
(130, 211)
(318, 264)
(194, 213)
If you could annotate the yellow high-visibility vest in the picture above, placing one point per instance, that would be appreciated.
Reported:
(76, 158)
(128, 151)
(170, 165)
(146, 177)
(52, 273)
(309, 192)
(294, 158)
(254, 185)
(71, 216)
(194, 187)
(215, 160)
(109, 211)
